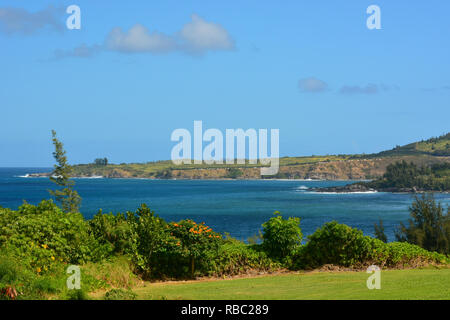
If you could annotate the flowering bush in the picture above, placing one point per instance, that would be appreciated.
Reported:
(171, 250)
(196, 241)
(44, 235)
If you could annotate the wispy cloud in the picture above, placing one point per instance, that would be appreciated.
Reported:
(436, 89)
(21, 21)
(82, 51)
(195, 38)
(312, 84)
(369, 89)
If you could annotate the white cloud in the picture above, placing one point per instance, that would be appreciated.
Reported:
(196, 37)
(139, 39)
(201, 36)
(18, 20)
(312, 85)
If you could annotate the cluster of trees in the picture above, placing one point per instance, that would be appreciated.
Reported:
(234, 173)
(408, 175)
(428, 227)
(101, 161)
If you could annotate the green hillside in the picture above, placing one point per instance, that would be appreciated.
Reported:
(439, 146)
(434, 151)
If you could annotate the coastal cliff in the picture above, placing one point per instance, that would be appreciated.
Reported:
(425, 153)
(320, 169)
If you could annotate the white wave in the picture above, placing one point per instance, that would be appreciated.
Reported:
(301, 188)
(356, 192)
(91, 177)
(24, 176)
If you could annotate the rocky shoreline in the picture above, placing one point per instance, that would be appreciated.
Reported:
(362, 187)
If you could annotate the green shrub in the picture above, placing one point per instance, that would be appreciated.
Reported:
(112, 230)
(43, 236)
(172, 250)
(16, 273)
(335, 244)
(155, 252)
(281, 237)
(120, 294)
(48, 284)
(235, 257)
(9, 270)
(342, 245)
(198, 242)
(115, 272)
(402, 254)
(77, 294)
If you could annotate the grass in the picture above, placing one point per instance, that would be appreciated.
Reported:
(418, 284)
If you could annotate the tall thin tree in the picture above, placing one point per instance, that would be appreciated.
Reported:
(379, 231)
(70, 199)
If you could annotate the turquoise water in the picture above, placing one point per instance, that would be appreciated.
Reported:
(237, 207)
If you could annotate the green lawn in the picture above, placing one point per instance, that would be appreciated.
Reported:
(395, 284)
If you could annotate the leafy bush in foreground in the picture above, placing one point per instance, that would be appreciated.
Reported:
(342, 245)
(235, 257)
(113, 230)
(44, 235)
(177, 250)
(19, 281)
(281, 237)
(335, 244)
(198, 243)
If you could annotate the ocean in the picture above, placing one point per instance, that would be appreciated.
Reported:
(238, 207)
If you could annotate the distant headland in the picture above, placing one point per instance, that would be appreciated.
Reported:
(426, 163)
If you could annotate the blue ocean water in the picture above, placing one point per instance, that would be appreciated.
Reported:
(236, 207)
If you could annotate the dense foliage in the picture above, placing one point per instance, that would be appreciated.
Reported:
(170, 249)
(37, 243)
(282, 237)
(43, 234)
(429, 226)
(403, 175)
(101, 162)
(113, 230)
(341, 245)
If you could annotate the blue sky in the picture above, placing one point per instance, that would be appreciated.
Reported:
(309, 68)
